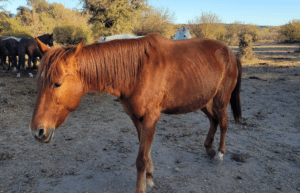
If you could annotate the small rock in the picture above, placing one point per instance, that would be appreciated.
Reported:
(68, 138)
(176, 170)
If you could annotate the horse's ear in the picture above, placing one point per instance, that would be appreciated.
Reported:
(43, 48)
(78, 48)
(51, 34)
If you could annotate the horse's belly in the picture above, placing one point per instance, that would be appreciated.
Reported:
(184, 104)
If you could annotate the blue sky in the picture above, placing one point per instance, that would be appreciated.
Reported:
(257, 12)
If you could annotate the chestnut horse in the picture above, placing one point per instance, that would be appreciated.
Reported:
(150, 75)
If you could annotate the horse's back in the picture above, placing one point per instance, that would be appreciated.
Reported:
(9, 46)
(25, 44)
(193, 70)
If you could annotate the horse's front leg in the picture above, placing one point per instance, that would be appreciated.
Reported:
(146, 129)
(34, 60)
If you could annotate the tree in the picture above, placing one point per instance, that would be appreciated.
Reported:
(113, 16)
(24, 15)
(251, 30)
(11, 27)
(291, 31)
(208, 25)
(43, 17)
(156, 21)
(233, 32)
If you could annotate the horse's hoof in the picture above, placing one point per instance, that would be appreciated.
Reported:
(211, 152)
(219, 156)
(15, 69)
(18, 75)
(150, 183)
(30, 75)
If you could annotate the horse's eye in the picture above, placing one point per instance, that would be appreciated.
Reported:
(56, 85)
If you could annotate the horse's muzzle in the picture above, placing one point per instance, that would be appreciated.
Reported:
(42, 136)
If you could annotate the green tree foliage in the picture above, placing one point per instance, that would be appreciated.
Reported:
(11, 27)
(251, 30)
(114, 16)
(291, 31)
(70, 34)
(233, 33)
(156, 21)
(208, 25)
(269, 34)
(44, 18)
(24, 15)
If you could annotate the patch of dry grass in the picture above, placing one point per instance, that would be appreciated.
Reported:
(272, 54)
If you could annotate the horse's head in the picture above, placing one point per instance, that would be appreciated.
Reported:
(59, 90)
(50, 39)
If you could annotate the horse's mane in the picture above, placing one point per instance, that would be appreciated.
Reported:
(49, 69)
(115, 63)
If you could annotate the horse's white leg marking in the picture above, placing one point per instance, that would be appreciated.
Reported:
(30, 75)
(15, 69)
(150, 182)
(219, 156)
(18, 75)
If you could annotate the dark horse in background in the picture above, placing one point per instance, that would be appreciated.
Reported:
(9, 47)
(28, 45)
(150, 75)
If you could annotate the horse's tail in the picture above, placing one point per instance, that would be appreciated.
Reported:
(235, 101)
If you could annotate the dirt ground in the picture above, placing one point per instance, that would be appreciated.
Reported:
(96, 148)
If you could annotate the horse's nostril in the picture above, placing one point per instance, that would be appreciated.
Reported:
(41, 133)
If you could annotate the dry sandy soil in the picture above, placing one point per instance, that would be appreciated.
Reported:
(96, 148)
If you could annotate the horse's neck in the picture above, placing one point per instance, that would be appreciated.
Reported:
(112, 67)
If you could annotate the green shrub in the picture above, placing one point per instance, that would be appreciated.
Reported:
(11, 27)
(269, 34)
(245, 47)
(71, 34)
(208, 25)
(155, 21)
(291, 31)
(251, 30)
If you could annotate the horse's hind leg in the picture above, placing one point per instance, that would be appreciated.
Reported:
(34, 60)
(213, 119)
(13, 61)
(21, 63)
(223, 119)
(30, 58)
(3, 61)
